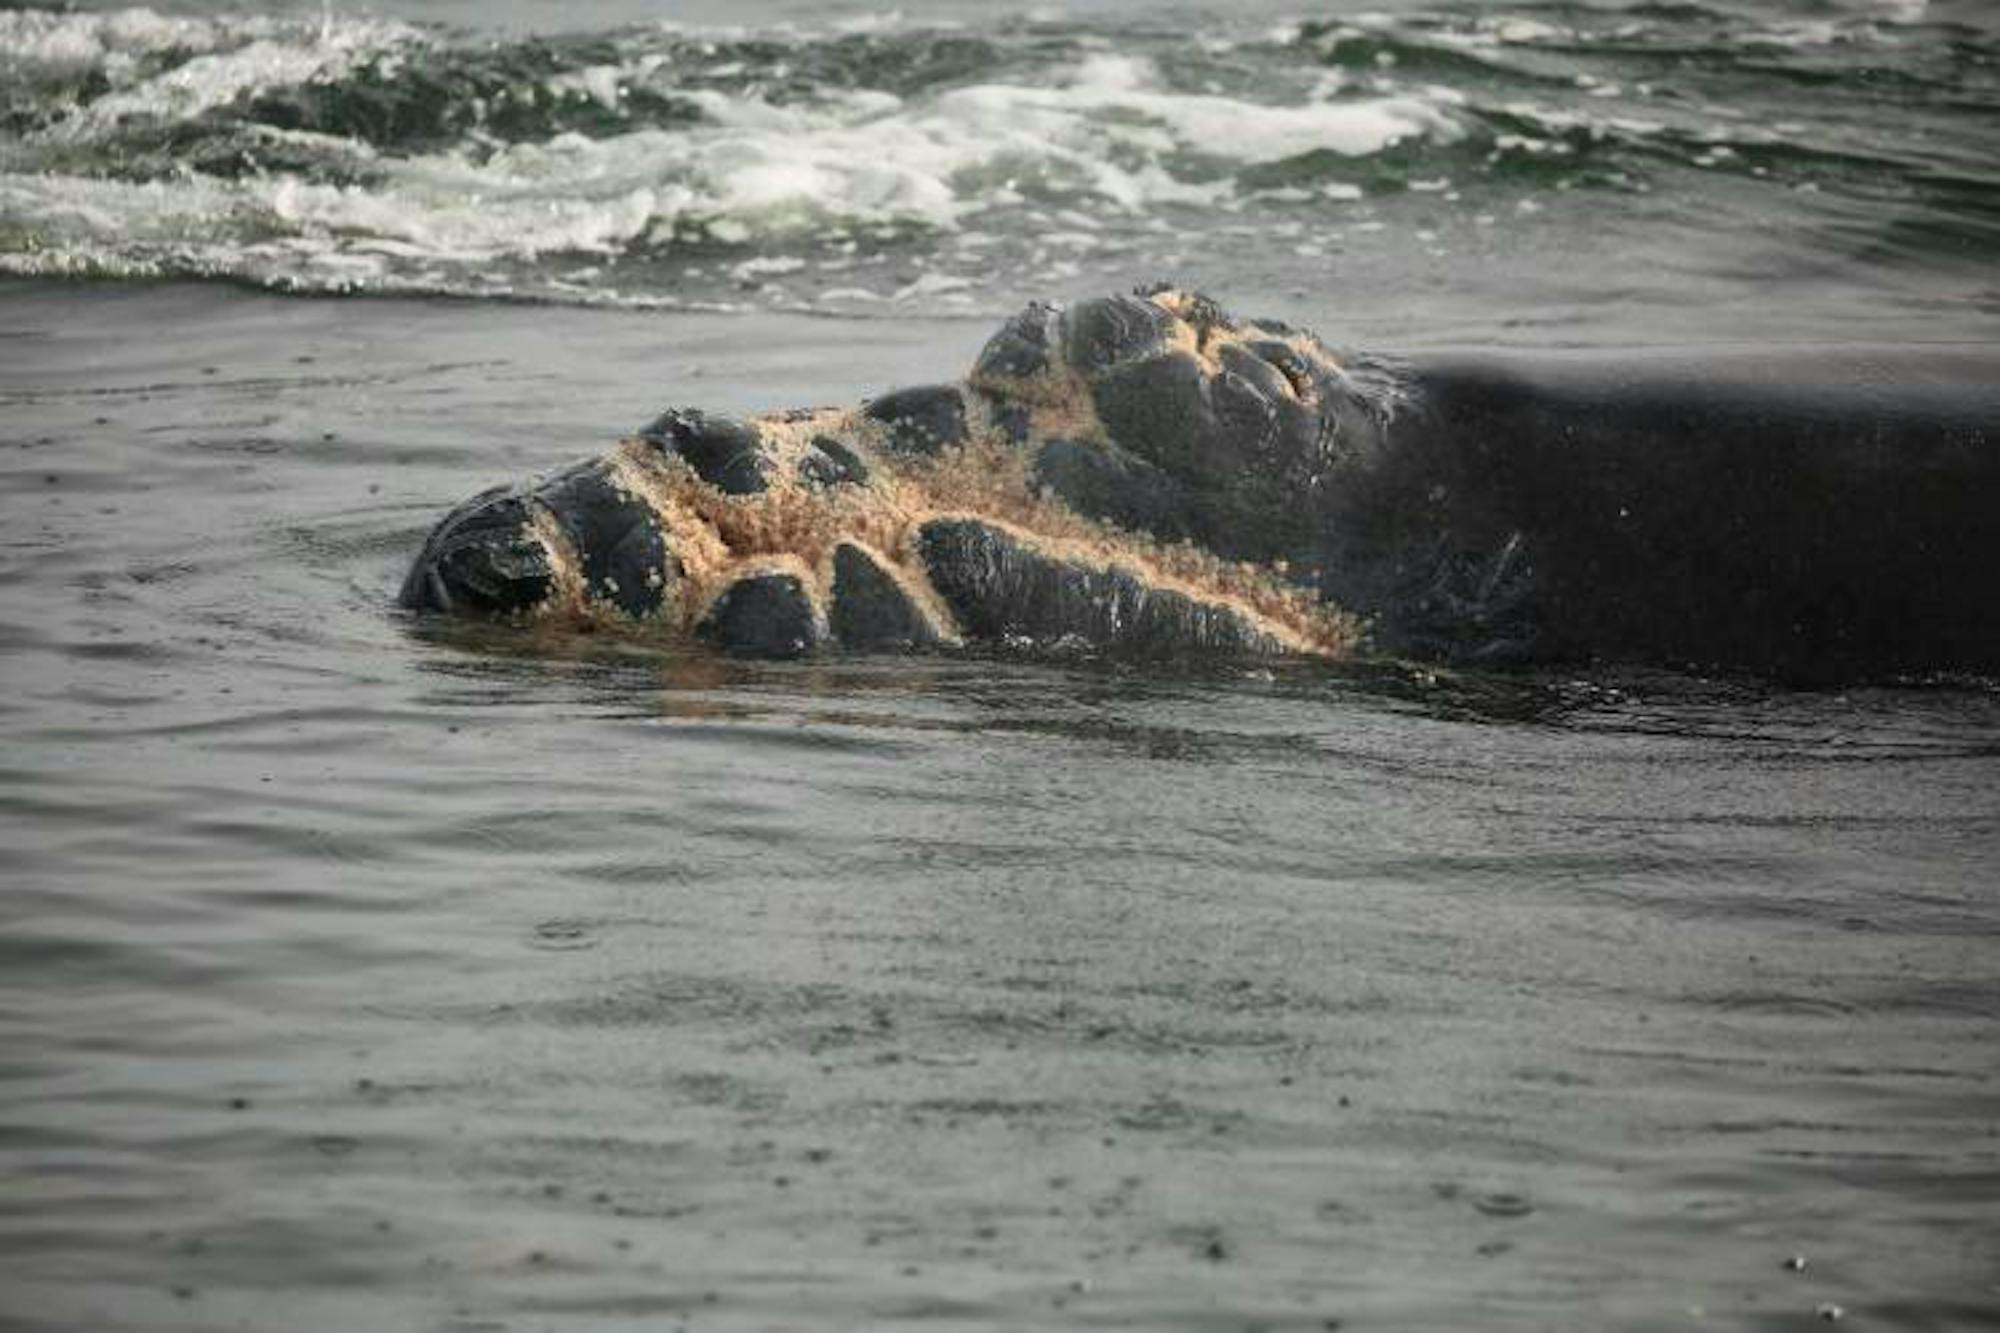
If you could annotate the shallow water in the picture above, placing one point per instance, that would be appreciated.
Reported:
(362, 976)
(356, 973)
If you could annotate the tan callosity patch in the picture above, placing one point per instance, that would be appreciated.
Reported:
(695, 552)
(1070, 416)
(1196, 340)
(1201, 332)
(1312, 349)
(788, 435)
(718, 538)
(714, 539)
(566, 596)
(1058, 399)
(988, 481)
(1186, 306)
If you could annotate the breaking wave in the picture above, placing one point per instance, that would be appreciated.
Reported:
(892, 163)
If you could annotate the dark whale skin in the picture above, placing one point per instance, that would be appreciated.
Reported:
(1810, 514)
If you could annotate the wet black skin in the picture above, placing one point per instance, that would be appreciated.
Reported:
(1813, 515)
(481, 560)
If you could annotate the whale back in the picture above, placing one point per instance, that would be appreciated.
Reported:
(1811, 513)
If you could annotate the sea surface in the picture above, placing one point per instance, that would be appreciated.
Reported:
(358, 973)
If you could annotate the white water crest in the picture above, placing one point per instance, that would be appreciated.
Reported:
(1101, 139)
(162, 68)
(954, 165)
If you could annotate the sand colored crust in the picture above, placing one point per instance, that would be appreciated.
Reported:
(1202, 333)
(988, 481)
(716, 539)
(566, 584)
(1058, 399)
(713, 539)
(788, 435)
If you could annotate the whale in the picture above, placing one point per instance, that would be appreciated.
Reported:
(1148, 474)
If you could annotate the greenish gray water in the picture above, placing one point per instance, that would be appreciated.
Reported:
(362, 975)
(1555, 162)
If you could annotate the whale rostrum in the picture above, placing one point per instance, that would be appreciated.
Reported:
(1001, 508)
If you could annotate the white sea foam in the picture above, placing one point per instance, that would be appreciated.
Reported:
(1103, 146)
(1107, 137)
(221, 77)
(47, 37)
(207, 62)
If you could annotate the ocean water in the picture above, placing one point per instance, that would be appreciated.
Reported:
(1768, 169)
(360, 973)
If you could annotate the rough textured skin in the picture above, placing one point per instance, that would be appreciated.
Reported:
(483, 558)
(924, 421)
(763, 615)
(621, 552)
(1145, 473)
(725, 453)
(1002, 589)
(1108, 483)
(871, 611)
